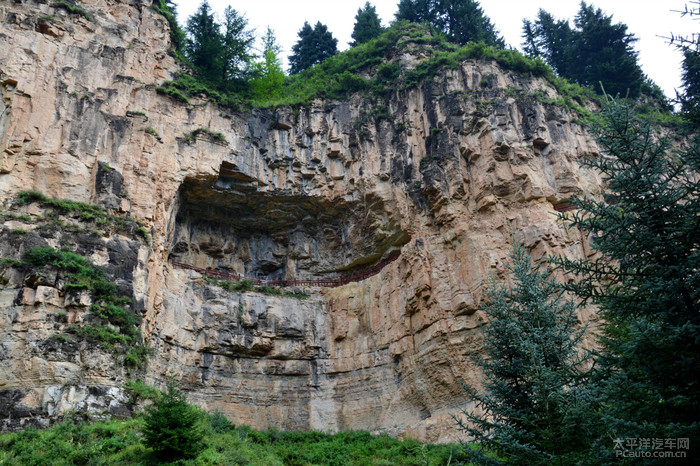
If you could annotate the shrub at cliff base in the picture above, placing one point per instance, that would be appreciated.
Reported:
(172, 427)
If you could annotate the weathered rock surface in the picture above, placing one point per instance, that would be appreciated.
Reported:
(465, 159)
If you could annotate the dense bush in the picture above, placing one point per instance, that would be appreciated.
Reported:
(172, 427)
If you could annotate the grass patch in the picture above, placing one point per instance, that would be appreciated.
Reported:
(85, 212)
(211, 135)
(72, 9)
(150, 130)
(113, 325)
(120, 442)
(132, 113)
(10, 262)
(185, 86)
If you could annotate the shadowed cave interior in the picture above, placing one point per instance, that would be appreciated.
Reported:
(232, 226)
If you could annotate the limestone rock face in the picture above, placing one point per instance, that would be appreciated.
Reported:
(462, 161)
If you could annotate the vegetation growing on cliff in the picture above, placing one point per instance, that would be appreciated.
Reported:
(371, 68)
(241, 286)
(87, 213)
(451, 32)
(72, 8)
(112, 325)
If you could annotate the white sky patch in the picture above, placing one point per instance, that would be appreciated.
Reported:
(649, 20)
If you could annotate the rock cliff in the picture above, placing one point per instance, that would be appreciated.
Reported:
(450, 170)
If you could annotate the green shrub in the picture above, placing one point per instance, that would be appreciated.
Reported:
(10, 262)
(172, 427)
(139, 390)
(214, 136)
(219, 423)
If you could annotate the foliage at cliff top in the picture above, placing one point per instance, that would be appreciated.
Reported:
(373, 68)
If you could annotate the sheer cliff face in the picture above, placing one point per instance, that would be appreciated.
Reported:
(450, 170)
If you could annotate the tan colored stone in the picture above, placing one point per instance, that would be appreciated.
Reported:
(48, 295)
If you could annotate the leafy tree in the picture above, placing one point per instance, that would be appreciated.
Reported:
(172, 427)
(646, 280)
(237, 42)
(595, 51)
(203, 46)
(269, 42)
(367, 25)
(269, 76)
(461, 21)
(529, 411)
(314, 45)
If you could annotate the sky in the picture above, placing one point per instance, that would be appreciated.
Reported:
(649, 20)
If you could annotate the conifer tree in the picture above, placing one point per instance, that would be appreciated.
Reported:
(172, 426)
(367, 25)
(203, 45)
(646, 281)
(237, 42)
(314, 45)
(461, 21)
(689, 96)
(533, 388)
(595, 51)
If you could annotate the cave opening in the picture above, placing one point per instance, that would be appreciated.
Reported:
(233, 225)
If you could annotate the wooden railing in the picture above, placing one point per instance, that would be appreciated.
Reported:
(328, 282)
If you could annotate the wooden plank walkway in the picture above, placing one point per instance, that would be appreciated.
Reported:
(330, 282)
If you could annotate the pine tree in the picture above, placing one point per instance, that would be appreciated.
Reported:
(595, 51)
(551, 40)
(689, 97)
(237, 42)
(367, 25)
(464, 21)
(461, 21)
(533, 388)
(314, 45)
(204, 45)
(172, 426)
(416, 11)
(646, 281)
